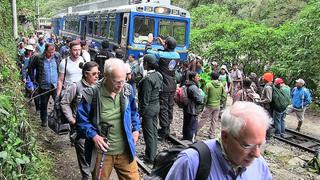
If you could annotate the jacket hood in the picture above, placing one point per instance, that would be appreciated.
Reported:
(216, 83)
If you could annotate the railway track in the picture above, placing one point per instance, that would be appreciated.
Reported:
(300, 140)
(147, 169)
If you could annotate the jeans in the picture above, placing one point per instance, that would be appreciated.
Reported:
(190, 126)
(278, 118)
(44, 99)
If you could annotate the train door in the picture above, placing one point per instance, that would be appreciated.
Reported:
(124, 31)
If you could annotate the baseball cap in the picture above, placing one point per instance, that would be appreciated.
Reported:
(268, 76)
(29, 47)
(278, 81)
(300, 81)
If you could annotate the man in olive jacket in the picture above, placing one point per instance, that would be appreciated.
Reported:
(149, 105)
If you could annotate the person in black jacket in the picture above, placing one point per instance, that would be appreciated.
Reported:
(46, 68)
(192, 110)
(168, 61)
(149, 106)
(102, 56)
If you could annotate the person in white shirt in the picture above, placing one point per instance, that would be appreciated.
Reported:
(85, 51)
(69, 70)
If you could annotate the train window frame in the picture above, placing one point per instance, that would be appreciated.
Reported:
(111, 26)
(96, 29)
(104, 26)
(172, 30)
(143, 38)
(90, 25)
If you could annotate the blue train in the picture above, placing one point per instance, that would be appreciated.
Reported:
(126, 26)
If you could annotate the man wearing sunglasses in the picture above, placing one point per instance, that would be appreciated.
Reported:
(108, 118)
(234, 155)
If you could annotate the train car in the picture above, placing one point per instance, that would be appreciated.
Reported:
(45, 23)
(126, 26)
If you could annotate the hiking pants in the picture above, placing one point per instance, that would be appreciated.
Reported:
(279, 124)
(83, 164)
(44, 99)
(209, 114)
(166, 113)
(150, 133)
(190, 126)
(125, 169)
(299, 112)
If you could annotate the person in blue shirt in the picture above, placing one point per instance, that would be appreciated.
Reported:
(301, 99)
(46, 66)
(168, 60)
(236, 154)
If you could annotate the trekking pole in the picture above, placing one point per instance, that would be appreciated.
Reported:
(101, 164)
(104, 153)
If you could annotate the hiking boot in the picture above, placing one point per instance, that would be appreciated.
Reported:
(299, 126)
(44, 123)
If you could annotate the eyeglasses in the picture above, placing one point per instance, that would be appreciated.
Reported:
(248, 147)
(121, 82)
(93, 73)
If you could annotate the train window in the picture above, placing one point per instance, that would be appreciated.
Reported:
(175, 29)
(90, 27)
(111, 29)
(142, 27)
(96, 28)
(104, 28)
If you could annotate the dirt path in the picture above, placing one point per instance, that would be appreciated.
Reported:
(65, 161)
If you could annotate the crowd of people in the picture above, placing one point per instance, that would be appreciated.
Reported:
(98, 90)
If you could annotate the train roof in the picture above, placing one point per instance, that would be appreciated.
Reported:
(148, 7)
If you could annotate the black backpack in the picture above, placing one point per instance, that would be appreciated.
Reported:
(165, 159)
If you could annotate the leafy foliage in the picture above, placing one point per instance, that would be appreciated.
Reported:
(291, 49)
(19, 155)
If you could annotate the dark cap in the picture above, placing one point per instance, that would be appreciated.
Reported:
(151, 59)
(171, 43)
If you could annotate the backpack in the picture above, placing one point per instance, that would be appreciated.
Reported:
(280, 100)
(165, 159)
(181, 96)
(251, 96)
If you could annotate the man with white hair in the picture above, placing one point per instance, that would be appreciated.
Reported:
(108, 118)
(300, 98)
(236, 154)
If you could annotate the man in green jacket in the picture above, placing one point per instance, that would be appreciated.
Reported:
(215, 94)
(149, 105)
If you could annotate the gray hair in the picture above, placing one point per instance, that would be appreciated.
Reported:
(111, 64)
(235, 117)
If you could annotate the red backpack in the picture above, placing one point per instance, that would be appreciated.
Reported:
(181, 96)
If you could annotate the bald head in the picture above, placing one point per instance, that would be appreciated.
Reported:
(242, 114)
(115, 75)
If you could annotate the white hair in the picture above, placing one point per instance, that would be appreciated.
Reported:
(235, 117)
(113, 63)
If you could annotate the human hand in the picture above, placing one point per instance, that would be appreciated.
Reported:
(150, 38)
(100, 142)
(72, 121)
(135, 136)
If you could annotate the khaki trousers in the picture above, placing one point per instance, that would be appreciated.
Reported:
(124, 169)
(209, 114)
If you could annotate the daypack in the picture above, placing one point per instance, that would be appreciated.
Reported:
(165, 159)
(280, 100)
(181, 96)
(251, 96)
